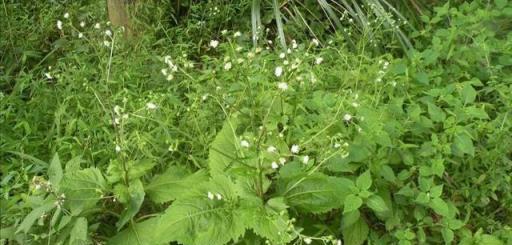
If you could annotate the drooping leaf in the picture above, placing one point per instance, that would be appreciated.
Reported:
(136, 194)
(174, 182)
(83, 188)
(316, 193)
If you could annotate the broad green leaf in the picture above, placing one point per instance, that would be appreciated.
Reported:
(55, 171)
(468, 94)
(463, 143)
(78, 235)
(29, 220)
(436, 191)
(438, 167)
(223, 149)
(174, 182)
(140, 233)
(352, 203)
(197, 219)
(83, 188)
(500, 3)
(439, 206)
(139, 168)
(489, 240)
(436, 113)
(447, 235)
(136, 193)
(316, 193)
(270, 224)
(377, 204)
(364, 181)
(350, 218)
(355, 234)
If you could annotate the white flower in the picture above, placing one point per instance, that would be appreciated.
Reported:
(66, 15)
(307, 240)
(244, 143)
(355, 104)
(271, 149)
(274, 165)
(210, 195)
(164, 71)
(224, 32)
(204, 97)
(80, 35)
(214, 43)
(286, 62)
(294, 44)
(250, 55)
(82, 24)
(118, 148)
(106, 43)
(48, 75)
(282, 55)
(239, 60)
(347, 117)
(59, 24)
(295, 149)
(169, 77)
(278, 71)
(97, 26)
(227, 66)
(315, 42)
(319, 60)
(117, 121)
(337, 145)
(237, 34)
(338, 242)
(108, 33)
(219, 196)
(238, 49)
(117, 109)
(305, 159)
(282, 86)
(282, 160)
(151, 106)
(393, 83)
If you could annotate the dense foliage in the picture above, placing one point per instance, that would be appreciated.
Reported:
(187, 133)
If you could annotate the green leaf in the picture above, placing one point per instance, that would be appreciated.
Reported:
(500, 3)
(83, 189)
(223, 149)
(439, 206)
(350, 218)
(377, 204)
(140, 168)
(140, 233)
(270, 224)
(55, 171)
(78, 234)
(447, 235)
(316, 193)
(173, 183)
(352, 203)
(463, 143)
(136, 193)
(364, 181)
(438, 167)
(436, 114)
(195, 219)
(489, 240)
(355, 234)
(468, 94)
(29, 220)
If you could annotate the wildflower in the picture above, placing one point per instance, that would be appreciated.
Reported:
(282, 55)
(274, 165)
(393, 83)
(204, 97)
(307, 240)
(106, 43)
(278, 71)
(108, 33)
(338, 242)
(337, 145)
(347, 117)
(315, 42)
(48, 75)
(289, 51)
(282, 160)
(319, 60)
(214, 43)
(59, 24)
(66, 15)
(117, 121)
(151, 106)
(355, 104)
(305, 159)
(282, 86)
(219, 196)
(244, 143)
(238, 49)
(118, 148)
(117, 109)
(224, 32)
(239, 60)
(294, 44)
(271, 149)
(164, 71)
(80, 35)
(210, 195)
(169, 77)
(97, 26)
(237, 34)
(82, 24)
(250, 55)
(295, 149)
(227, 66)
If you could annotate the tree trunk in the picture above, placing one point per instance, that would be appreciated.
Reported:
(118, 15)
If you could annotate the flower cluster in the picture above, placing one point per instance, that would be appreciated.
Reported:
(170, 70)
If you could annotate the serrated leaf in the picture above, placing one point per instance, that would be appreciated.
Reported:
(316, 193)
(140, 233)
(269, 224)
(55, 171)
(78, 235)
(462, 142)
(352, 203)
(83, 189)
(174, 182)
(439, 206)
(355, 234)
(350, 218)
(436, 113)
(377, 204)
(222, 152)
(136, 194)
(29, 220)
(489, 240)
(468, 94)
(364, 181)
